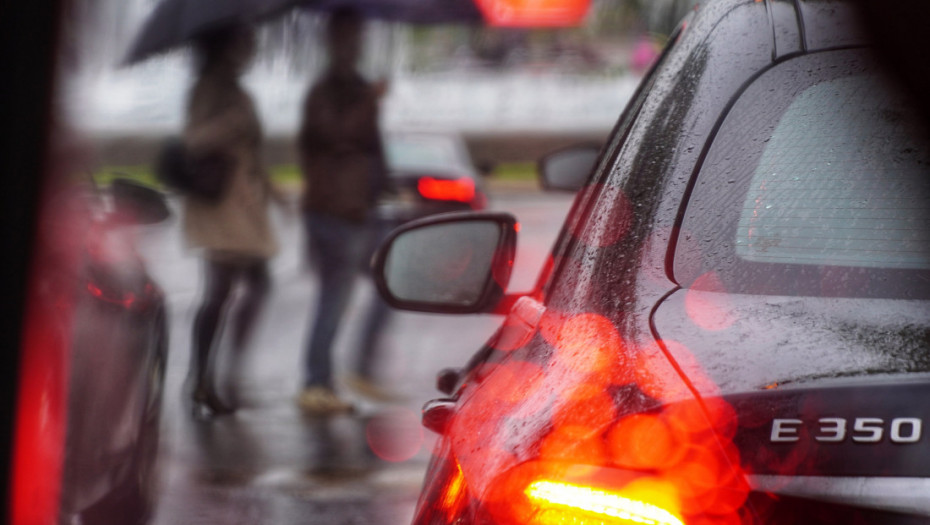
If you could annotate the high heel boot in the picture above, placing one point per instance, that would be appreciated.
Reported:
(206, 404)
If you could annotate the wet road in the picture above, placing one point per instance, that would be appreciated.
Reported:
(269, 464)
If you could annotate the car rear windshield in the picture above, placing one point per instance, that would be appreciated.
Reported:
(424, 153)
(820, 173)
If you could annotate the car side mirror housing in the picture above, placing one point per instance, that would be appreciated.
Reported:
(485, 168)
(136, 203)
(568, 169)
(448, 263)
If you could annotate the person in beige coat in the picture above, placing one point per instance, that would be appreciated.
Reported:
(232, 234)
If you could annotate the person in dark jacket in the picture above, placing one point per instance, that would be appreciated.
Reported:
(342, 161)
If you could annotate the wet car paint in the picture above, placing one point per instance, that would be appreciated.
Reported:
(605, 377)
(118, 357)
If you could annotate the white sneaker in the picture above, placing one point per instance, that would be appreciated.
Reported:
(320, 400)
(372, 390)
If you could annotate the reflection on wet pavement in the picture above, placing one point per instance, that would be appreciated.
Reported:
(268, 464)
(275, 466)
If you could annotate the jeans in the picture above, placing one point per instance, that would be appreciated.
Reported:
(378, 313)
(340, 249)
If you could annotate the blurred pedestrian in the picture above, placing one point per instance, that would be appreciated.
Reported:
(233, 233)
(363, 375)
(342, 161)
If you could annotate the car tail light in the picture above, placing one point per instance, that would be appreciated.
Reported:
(544, 493)
(588, 438)
(696, 481)
(559, 502)
(458, 190)
(551, 492)
(454, 493)
(446, 497)
(667, 466)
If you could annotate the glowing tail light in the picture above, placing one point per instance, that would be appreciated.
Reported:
(454, 494)
(459, 190)
(565, 503)
(446, 498)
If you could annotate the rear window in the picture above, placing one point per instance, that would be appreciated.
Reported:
(424, 152)
(817, 184)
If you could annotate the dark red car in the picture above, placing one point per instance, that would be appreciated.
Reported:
(94, 355)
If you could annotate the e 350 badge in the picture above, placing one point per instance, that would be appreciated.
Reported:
(903, 430)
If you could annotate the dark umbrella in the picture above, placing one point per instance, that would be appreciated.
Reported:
(175, 22)
(409, 11)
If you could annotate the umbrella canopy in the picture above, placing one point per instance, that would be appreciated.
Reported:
(408, 11)
(175, 22)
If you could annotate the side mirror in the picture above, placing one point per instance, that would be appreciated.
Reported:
(568, 169)
(136, 203)
(449, 263)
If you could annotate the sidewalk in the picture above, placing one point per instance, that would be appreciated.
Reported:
(510, 187)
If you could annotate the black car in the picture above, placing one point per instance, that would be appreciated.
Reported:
(431, 172)
(734, 325)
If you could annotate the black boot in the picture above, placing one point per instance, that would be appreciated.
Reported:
(206, 404)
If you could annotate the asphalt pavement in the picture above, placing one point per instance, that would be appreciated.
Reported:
(270, 464)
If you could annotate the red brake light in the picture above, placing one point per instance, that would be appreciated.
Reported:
(128, 299)
(663, 456)
(459, 190)
(550, 493)
(446, 497)
(453, 495)
(560, 502)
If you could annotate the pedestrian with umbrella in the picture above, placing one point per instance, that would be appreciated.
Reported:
(221, 141)
(233, 232)
(178, 23)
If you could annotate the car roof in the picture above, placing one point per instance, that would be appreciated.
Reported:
(720, 49)
(799, 26)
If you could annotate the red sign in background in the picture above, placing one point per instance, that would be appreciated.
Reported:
(534, 13)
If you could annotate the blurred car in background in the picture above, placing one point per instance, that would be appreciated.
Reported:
(734, 323)
(432, 172)
(94, 361)
(119, 350)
